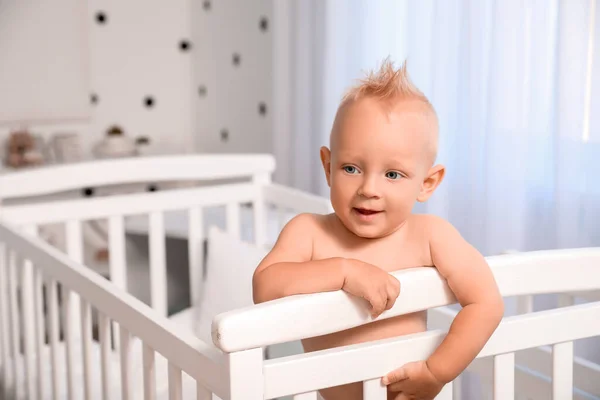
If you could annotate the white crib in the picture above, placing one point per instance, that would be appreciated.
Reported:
(234, 365)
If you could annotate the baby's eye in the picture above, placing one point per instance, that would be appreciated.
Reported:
(393, 175)
(350, 169)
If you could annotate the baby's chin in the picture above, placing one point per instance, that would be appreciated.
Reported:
(370, 232)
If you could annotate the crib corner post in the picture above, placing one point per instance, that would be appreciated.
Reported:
(246, 381)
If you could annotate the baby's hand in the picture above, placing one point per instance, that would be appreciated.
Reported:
(373, 284)
(413, 381)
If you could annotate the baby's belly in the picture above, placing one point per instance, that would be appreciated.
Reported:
(384, 329)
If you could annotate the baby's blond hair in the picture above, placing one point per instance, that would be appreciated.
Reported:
(390, 85)
(387, 83)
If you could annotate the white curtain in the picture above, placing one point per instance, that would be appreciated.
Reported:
(515, 84)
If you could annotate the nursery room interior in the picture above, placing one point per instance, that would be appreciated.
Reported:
(157, 160)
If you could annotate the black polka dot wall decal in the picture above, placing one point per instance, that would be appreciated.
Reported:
(149, 102)
(88, 192)
(237, 59)
(152, 188)
(101, 17)
(206, 5)
(202, 91)
(262, 109)
(224, 135)
(264, 24)
(184, 45)
(94, 98)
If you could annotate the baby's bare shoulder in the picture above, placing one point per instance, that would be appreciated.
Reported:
(428, 224)
(304, 223)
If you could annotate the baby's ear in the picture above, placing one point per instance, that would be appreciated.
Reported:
(326, 160)
(431, 182)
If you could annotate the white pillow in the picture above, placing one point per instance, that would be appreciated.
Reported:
(228, 283)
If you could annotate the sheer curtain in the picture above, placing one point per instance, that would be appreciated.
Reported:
(515, 84)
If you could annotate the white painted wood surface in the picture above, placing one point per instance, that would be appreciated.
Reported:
(58, 178)
(504, 376)
(539, 359)
(562, 371)
(422, 288)
(132, 204)
(158, 261)
(199, 360)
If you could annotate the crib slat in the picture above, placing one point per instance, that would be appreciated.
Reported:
(53, 314)
(117, 259)
(125, 353)
(68, 327)
(104, 333)
(158, 273)
(80, 312)
(38, 320)
(373, 389)
(562, 371)
(195, 252)
(86, 344)
(27, 313)
(504, 376)
(174, 383)
(525, 304)
(314, 396)
(116, 246)
(4, 321)
(13, 316)
(72, 307)
(565, 300)
(233, 219)
(40, 328)
(149, 373)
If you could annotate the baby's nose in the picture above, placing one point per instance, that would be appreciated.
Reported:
(369, 189)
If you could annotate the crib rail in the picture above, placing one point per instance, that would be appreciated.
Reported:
(27, 267)
(312, 371)
(116, 208)
(132, 204)
(306, 316)
(58, 178)
(294, 317)
(155, 206)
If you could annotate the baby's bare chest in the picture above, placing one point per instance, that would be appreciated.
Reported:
(390, 255)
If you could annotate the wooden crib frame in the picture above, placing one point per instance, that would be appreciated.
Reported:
(236, 368)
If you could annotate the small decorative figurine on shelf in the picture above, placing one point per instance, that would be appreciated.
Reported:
(115, 144)
(23, 150)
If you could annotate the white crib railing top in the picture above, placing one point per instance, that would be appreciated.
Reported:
(128, 204)
(304, 316)
(59, 178)
(198, 359)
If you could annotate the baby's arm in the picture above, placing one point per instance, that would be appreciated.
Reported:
(472, 282)
(288, 269)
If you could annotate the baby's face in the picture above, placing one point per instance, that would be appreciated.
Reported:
(378, 162)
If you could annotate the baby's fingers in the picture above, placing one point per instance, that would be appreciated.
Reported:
(378, 304)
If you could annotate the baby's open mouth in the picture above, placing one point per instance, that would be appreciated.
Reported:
(365, 211)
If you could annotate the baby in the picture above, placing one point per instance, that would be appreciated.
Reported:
(381, 160)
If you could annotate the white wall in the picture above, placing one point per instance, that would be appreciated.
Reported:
(135, 54)
(234, 93)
